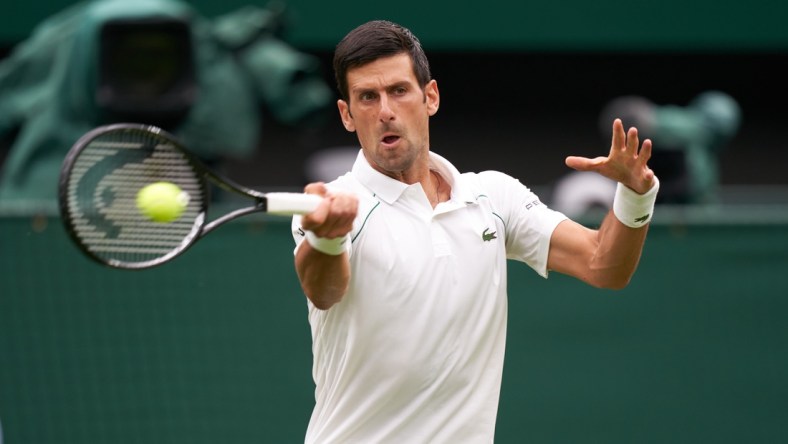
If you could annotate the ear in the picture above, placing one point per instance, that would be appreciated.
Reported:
(347, 118)
(432, 96)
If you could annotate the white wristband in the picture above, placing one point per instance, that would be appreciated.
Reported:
(333, 247)
(633, 209)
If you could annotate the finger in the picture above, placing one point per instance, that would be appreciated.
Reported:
(649, 175)
(319, 214)
(316, 218)
(619, 138)
(318, 188)
(339, 219)
(632, 141)
(339, 227)
(645, 151)
(584, 163)
(344, 209)
(335, 227)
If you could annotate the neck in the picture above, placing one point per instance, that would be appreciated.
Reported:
(438, 190)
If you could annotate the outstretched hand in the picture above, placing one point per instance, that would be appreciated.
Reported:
(626, 163)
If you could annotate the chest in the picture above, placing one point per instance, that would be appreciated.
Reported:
(459, 246)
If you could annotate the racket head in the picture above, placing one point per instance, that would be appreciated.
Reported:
(99, 181)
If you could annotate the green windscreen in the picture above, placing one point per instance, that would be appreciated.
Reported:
(215, 346)
(602, 25)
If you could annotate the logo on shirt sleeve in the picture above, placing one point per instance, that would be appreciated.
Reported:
(532, 204)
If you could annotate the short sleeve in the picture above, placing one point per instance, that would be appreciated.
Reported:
(529, 223)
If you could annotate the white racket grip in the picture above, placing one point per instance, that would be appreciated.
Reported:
(291, 203)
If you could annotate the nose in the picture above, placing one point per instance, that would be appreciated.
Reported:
(386, 113)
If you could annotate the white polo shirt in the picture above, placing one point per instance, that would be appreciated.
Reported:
(414, 352)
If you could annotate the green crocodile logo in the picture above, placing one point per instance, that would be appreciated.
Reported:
(642, 218)
(488, 236)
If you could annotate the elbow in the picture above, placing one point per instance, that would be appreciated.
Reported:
(322, 299)
(617, 285)
(611, 282)
(322, 305)
(611, 277)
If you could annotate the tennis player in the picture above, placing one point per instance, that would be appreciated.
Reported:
(404, 263)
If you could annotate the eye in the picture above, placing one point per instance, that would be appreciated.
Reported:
(366, 96)
(400, 90)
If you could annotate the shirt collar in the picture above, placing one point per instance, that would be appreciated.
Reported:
(389, 190)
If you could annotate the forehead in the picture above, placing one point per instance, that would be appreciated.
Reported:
(382, 72)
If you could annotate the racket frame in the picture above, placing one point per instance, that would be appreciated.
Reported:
(201, 226)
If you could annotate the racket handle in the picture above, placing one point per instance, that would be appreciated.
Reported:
(292, 203)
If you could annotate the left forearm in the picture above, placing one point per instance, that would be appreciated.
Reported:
(617, 254)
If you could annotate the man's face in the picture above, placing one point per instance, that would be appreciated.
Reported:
(390, 114)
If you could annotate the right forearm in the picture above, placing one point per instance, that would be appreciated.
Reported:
(322, 260)
(324, 278)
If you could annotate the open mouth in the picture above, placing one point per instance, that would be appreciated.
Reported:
(388, 140)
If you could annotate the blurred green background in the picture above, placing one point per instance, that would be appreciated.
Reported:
(506, 24)
(528, 80)
(215, 347)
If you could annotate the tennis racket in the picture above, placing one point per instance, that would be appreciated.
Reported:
(105, 169)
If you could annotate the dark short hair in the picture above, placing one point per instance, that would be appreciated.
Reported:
(374, 40)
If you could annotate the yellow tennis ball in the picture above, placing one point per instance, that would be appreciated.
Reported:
(162, 201)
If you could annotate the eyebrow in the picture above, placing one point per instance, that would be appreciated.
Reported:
(401, 83)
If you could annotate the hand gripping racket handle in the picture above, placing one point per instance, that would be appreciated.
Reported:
(292, 203)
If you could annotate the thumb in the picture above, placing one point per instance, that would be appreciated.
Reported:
(318, 188)
(319, 215)
(583, 163)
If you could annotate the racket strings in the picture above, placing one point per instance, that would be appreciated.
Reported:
(102, 190)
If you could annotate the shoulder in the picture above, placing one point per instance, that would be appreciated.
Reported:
(496, 179)
(492, 184)
(506, 195)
